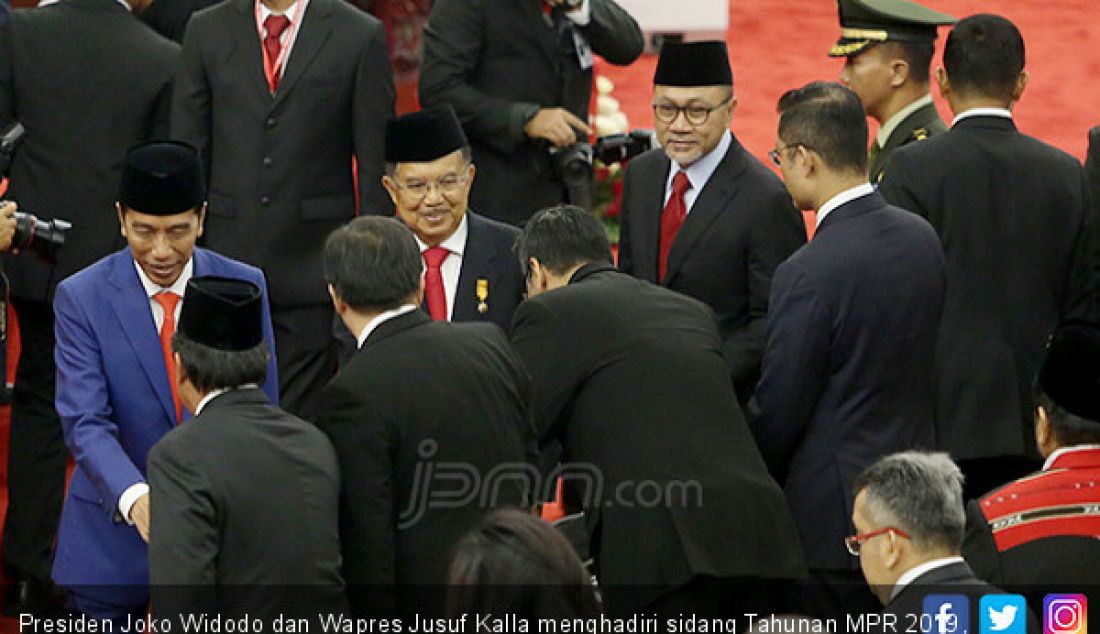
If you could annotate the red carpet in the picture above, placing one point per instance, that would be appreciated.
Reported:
(780, 44)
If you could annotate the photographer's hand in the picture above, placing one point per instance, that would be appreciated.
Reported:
(7, 223)
(556, 125)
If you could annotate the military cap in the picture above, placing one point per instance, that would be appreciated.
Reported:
(1070, 373)
(866, 22)
(161, 178)
(423, 136)
(222, 313)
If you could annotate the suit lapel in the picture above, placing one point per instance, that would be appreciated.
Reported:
(546, 36)
(476, 263)
(647, 218)
(247, 49)
(712, 202)
(311, 37)
(131, 308)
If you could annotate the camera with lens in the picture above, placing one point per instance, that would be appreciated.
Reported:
(618, 148)
(43, 237)
(572, 164)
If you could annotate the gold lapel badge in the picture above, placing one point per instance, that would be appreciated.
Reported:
(482, 295)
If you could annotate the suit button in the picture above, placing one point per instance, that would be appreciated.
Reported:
(271, 122)
(268, 162)
(265, 201)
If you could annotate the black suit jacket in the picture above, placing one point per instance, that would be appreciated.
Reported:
(422, 398)
(620, 368)
(956, 578)
(740, 228)
(170, 17)
(1012, 216)
(87, 80)
(489, 256)
(280, 166)
(847, 374)
(497, 62)
(244, 501)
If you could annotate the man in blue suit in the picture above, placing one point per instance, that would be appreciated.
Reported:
(116, 377)
(847, 370)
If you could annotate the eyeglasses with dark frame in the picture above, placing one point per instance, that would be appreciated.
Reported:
(776, 157)
(695, 114)
(446, 184)
(854, 542)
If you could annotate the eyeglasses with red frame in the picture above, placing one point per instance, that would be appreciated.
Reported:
(854, 542)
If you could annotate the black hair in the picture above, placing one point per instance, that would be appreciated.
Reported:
(917, 54)
(1068, 429)
(828, 118)
(984, 55)
(373, 263)
(562, 237)
(515, 563)
(210, 369)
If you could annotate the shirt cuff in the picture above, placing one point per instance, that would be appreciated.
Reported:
(128, 497)
(582, 15)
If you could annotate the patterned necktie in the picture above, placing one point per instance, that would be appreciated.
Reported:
(672, 217)
(168, 301)
(274, 25)
(433, 283)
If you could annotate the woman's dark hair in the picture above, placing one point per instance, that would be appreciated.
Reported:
(515, 563)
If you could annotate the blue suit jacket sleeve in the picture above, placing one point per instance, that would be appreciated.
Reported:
(795, 368)
(271, 384)
(84, 405)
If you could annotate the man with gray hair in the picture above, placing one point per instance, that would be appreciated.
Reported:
(909, 519)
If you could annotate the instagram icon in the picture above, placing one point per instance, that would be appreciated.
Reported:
(1065, 614)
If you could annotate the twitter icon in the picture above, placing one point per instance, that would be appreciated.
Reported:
(1003, 614)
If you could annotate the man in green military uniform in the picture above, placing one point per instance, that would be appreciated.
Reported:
(888, 45)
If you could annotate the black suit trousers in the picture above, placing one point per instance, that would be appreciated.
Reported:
(37, 454)
(306, 352)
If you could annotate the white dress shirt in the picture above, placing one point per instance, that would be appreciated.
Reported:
(698, 172)
(909, 576)
(289, 34)
(138, 489)
(982, 112)
(381, 318)
(451, 267)
(846, 196)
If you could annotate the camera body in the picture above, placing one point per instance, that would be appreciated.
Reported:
(573, 164)
(44, 238)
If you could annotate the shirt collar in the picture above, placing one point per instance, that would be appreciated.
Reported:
(178, 287)
(1061, 451)
(982, 112)
(892, 123)
(384, 316)
(909, 576)
(46, 3)
(700, 171)
(218, 392)
(844, 197)
(456, 242)
(290, 13)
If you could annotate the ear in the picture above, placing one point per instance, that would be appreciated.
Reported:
(807, 160)
(1018, 89)
(943, 82)
(337, 304)
(202, 220)
(391, 188)
(121, 220)
(733, 105)
(1044, 438)
(894, 550)
(181, 372)
(899, 72)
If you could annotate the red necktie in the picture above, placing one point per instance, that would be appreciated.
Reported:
(168, 301)
(672, 217)
(275, 25)
(433, 283)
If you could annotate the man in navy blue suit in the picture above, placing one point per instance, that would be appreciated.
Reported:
(847, 371)
(116, 377)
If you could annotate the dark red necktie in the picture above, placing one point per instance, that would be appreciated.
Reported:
(275, 25)
(168, 301)
(672, 217)
(433, 283)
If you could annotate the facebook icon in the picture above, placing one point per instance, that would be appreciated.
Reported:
(945, 614)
